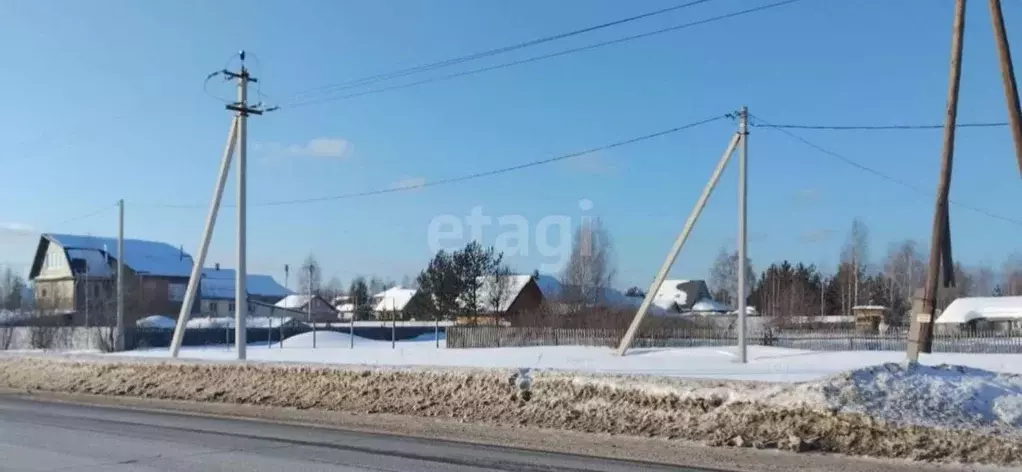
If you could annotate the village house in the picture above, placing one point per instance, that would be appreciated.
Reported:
(322, 310)
(392, 303)
(499, 300)
(75, 278)
(217, 295)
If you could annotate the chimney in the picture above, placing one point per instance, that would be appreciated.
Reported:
(216, 266)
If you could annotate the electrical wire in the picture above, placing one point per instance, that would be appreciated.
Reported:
(84, 216)
(877, 127)
(880, 174)
(309, 102)
(478, 175)
(492, 52)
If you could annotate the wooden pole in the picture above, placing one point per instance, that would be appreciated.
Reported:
(1008, 78)
(921, 331)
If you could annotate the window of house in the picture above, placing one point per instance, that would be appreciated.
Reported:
(213, 306)
(230, 307)
(251, 308)
(95, 291)
(43, 292)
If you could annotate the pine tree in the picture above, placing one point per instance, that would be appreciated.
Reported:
(359, 292)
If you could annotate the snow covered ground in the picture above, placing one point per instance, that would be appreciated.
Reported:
(765, 363)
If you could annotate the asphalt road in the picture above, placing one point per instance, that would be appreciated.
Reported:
(42, 436)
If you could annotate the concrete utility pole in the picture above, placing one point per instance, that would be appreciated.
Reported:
(1007, 77)
(743, 185)
(237, 136)
(920, 336)
(672, 255)
(120, 277)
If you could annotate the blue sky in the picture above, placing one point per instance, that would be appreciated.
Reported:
(104, 100)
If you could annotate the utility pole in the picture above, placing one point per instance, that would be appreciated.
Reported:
(240, 291)
(743, 185)
(1007, 77)
(920, 337)
(120, 276)
(236, 137)
(312, 270)
(672, 254)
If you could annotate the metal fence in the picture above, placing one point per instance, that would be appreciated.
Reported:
(489, 336)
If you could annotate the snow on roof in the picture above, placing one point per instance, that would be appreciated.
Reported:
(293, 301)
(707, 305)
(96, 262)
(963, 310)
(219, 283)
(489, 288)
(227, 322)
(395, 298)
(144, 257)
(670, 294)
(156, 321)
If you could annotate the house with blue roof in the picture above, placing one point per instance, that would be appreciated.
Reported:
(75, 277)
(217, 289)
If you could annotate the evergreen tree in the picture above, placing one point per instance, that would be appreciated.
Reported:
(360, 300)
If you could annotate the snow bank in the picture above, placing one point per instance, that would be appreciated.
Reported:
(157, 322)
(561, 401)
(944, 396)
(325, 339)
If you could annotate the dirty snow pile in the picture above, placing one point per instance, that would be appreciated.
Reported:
(942, 396)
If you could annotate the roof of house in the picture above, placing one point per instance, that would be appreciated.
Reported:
(963, 310)
(97, 264)
(143, 257)
(674, 294)
(293, 301)
(219, 283)
(489, 290)
(156, 322)
(394, 298)
(707, 305)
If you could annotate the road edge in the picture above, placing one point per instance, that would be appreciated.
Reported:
(656, 451)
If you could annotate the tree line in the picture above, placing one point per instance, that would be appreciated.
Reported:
(796, 289)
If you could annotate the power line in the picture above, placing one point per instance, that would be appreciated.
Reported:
(877, 127)
(483, 174)
(85, 216)
(492, 52)
(883, 175)
(538, 58)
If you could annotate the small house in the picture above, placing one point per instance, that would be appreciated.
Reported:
(320, 309)
(868, 317)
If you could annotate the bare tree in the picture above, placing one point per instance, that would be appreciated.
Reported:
(310, 275)
(984, 281)
(905, 269)
(1011, 275)
(591, 265)
(724, 277)
(498, 290)
(856, 253)
(332, 289)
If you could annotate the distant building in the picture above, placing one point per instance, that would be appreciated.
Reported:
(322, 310)
(500, 300)
(392, 301)
(74, 277)
(217, 289)
(982, 313)
(687, 297)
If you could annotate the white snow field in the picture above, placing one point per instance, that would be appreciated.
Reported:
(765, 363)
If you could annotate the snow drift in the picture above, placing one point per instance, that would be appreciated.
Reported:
(730, 413)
